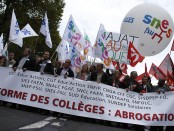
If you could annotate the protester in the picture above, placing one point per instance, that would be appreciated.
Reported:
(115, 81)
(26, 62)
(92, 69)
(160, 88)
(99, 76)
(66, 71)
(2, 61)
(146, 85)
(111, 75)
(38, 59)
(10, 61)
(45, 66)
(2, 64)
(83, 75)
(131, 84)
(57, 66)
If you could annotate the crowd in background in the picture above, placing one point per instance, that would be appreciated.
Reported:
(95, 73)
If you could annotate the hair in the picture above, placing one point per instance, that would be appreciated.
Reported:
(10, 52)
(47, 51)
(133, 72)
(29, 50)
(101, 65)
(94, 67)
(87, 68)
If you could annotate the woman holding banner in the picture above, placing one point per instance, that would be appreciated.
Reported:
(83, 75)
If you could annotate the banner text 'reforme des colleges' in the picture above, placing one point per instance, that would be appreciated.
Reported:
(86, 98)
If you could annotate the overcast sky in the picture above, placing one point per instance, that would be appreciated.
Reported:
(89, 14)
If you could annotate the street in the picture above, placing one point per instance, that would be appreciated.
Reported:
(18, 120)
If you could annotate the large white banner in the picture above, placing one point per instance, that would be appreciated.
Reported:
(86, 98)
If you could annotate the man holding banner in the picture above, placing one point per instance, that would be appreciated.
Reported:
(26, 62)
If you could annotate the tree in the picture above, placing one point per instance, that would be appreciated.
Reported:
(32, 12)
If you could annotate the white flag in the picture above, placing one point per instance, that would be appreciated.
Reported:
(45, 31)
(27, 31)
(99, 46)
(63, 51)
(88, 50)
(73, 35)
(4, 51)
(15, 33)
(1, 43)
(76, 57)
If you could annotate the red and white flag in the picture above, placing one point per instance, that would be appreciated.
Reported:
(172, 48)
(120, 66)
(133, 55)
(167, 66)
(156, 72)
(139, 78)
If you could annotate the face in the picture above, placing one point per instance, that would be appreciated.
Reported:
(58, 64)
(144, 80)
(117, 75)
(38, 59)
(85, 67)
(91, 69)
(46, 55)
(26, 52)
(99, 67)
(11, 56)
(134, 75)
(67, 63)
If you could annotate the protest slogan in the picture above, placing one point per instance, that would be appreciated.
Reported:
(86, 98)
(117, 45)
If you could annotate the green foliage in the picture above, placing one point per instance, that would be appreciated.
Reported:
(32, 12)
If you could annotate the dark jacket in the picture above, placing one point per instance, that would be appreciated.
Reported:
(147, 88)
(104, 78)
(128, 82)
(48, 68)
(165, 88)
(117, 84)
(69, 73)
(29, 64)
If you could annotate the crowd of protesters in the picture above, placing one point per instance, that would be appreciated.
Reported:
(94, 73)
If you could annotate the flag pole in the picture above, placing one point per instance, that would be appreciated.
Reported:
(56, 58)
(171, 47)
(36, 42)
(53, 55)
